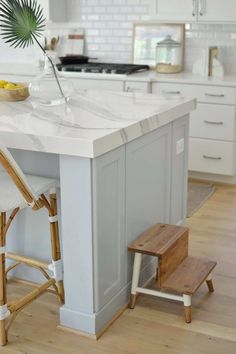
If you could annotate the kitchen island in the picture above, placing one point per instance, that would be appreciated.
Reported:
(121, 159)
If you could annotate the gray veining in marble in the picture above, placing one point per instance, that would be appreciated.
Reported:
(93, 123)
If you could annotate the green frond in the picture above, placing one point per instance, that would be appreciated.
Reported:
(21, 22)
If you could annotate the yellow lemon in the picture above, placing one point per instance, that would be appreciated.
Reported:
(10, 86)
(3, 83)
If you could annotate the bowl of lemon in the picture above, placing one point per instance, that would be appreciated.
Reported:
(10, 91)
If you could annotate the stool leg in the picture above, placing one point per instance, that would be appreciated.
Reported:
(55, 242)
(135, 278)
(3, 296)
(187, 308)
(210, 284)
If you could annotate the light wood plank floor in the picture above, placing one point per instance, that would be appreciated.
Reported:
(155, 326)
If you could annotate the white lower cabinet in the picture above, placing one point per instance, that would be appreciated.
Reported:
(212, 156)
(112, 85)
(93, 84)
(211, 121)
(204, 93)
(137, 86)
(212, 125)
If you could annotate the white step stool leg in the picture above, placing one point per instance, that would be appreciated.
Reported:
(187, 308)
(135, 278)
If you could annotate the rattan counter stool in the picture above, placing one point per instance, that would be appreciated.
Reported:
(18, 191)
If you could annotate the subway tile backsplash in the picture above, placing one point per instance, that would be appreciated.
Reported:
(108, 27)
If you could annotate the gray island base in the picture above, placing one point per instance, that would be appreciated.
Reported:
(122, 164)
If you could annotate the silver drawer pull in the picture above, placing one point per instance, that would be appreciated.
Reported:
(130, 89)
(172, 92)
(215, 123)
(211, 157)
(220, 95)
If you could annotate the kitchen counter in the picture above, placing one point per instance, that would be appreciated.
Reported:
(152, 76)
(121, 159)
(92, 124)
(31, 70)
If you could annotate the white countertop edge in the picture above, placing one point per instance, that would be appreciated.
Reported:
(92, 149)
(132, 132)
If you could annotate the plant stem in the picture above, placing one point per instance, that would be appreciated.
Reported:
(53, 66)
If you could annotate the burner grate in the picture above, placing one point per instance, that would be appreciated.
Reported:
(104, 68)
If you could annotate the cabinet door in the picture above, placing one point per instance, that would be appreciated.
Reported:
(212, 156)
(217, 10)
(46, 8)
(91, 84)
(136, 86)
(211, 121)
(179, 175)
(109, 225)
(174, 10)
(148, 162)
(54, 10)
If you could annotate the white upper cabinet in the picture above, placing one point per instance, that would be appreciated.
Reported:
(174, 10)
(194, 10)
(217, 10)
(54, 10)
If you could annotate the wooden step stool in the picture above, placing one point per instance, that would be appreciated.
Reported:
(177, 271)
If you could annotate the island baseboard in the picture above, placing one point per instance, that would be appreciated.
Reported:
(95, 325)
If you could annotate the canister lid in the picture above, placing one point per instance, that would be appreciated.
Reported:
(168, 42)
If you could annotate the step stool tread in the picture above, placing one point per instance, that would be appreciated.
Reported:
(157, 239)
(189, 275)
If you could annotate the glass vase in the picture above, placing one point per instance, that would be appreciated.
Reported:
(50, 88)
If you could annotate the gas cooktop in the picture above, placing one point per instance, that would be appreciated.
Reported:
(103, 68)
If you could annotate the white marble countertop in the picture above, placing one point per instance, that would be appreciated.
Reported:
(93, 123)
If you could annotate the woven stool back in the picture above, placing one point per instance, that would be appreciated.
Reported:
(17, 176)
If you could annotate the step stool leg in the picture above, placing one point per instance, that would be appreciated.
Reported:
(187, 308)
(210, 284)
(135, 278)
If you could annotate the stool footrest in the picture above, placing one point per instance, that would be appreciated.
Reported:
(31, 296)
(27, 260)
(160, 294)
(189, 275)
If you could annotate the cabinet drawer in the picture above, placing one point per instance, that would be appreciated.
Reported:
(91, 84)
(204, 93)
(213, 122)
(212, 156)
(134, 86)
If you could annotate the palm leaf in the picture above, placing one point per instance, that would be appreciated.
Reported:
(21, 22)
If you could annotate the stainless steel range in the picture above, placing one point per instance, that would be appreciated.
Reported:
(103, 68)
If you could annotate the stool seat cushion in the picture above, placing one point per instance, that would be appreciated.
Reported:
(11, 198)
(189, 275)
